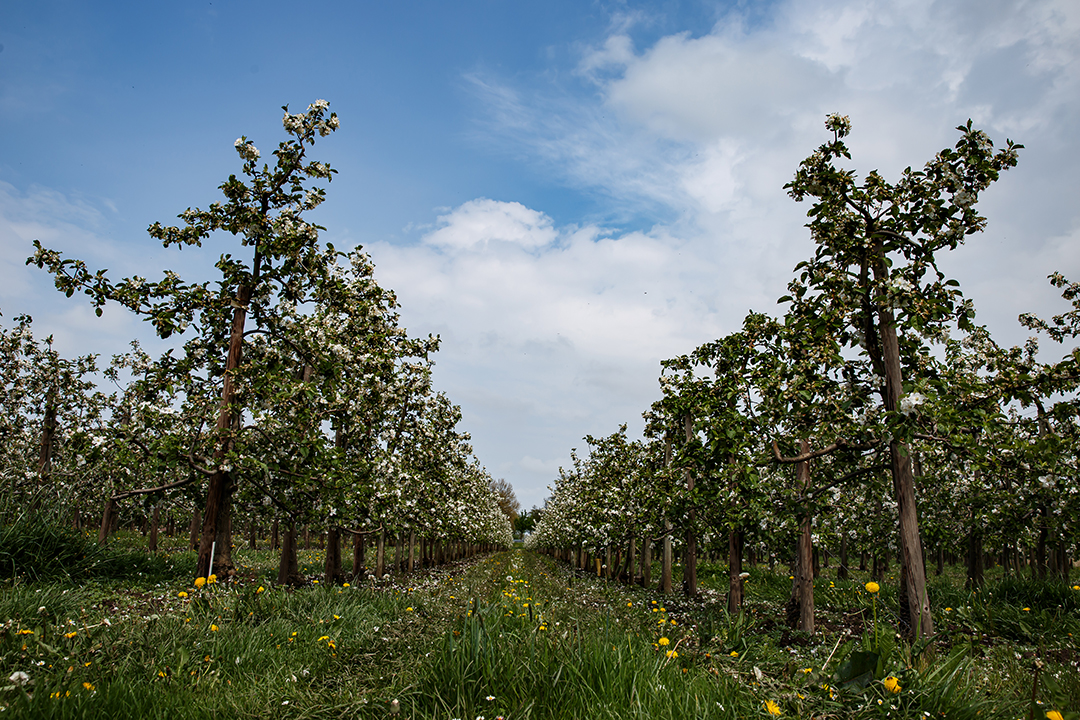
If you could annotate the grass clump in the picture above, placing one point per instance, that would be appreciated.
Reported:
(35, 548)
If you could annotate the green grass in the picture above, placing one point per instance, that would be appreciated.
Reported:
(109, 642)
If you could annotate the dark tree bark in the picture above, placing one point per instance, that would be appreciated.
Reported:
(288, 568)
(916, 610)
(974, 558)
(155, 520)
(332, 573)
(108, 520)
(690, 566)
(380, 555)
(666, 561)
(196, 523)
(735, 583)
(800, 611)
(358, 556)
(216, 535)
(646, 562)
(842, 568)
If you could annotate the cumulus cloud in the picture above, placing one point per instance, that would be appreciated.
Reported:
(699, 133)
(483, 221)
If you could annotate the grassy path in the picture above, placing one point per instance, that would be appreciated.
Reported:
(511, 635)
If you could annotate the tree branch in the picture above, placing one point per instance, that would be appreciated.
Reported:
(147, 491)
(828, 450)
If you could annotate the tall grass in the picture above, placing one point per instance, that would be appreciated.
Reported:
(513, 635)
(35, 548)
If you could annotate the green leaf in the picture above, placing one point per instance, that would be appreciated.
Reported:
(857, 671)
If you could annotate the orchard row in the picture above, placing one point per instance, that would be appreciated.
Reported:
(295, 395)
(874, 416)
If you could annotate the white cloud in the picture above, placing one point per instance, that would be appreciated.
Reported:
(484, 221)
(555, 329)
(702, 132)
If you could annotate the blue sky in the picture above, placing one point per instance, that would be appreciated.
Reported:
(568, 192)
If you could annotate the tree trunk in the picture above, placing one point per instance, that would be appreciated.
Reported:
(665, 569)
(646, 562)
(801, 605)
(735, 582)
(974, 558)
(332, 573)
(665, 565)
(380, 555)
(690, 566)
(288, 568)
(108, 518)
(45, 450)
(878, 570)
(1040, 546)
(196, 523)
(842, 568)
(155, 521)
(274, 535)
(217, 515)
(358, 556)
(397, 555)
(916, 610)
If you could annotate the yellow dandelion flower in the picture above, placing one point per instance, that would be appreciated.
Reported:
(672, 654)
(181, 594)
(70, 634)
(212, 579)
(88, 686)
(872, 587)
(200, 581)
(663, 641)
(324, 637)
(1053, 715)
(734, 653)
(345, 585)
(892, 684)
(772, 708)
(213, 628)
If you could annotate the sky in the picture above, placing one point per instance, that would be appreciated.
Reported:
(567, 192)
